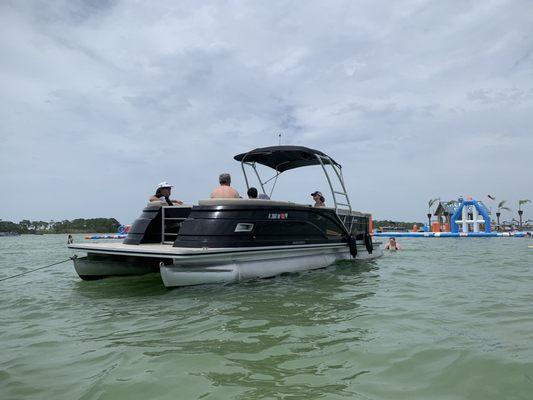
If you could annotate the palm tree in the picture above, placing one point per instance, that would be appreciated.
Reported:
(430, 204)
(501, 206)
(520, 211)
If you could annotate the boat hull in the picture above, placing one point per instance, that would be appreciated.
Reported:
(92, 268)
(186, 266)
(241, 266)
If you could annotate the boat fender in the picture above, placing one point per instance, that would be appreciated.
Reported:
(368, 243)
(352, 244)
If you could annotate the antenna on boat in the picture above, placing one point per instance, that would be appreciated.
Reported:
(279, 139)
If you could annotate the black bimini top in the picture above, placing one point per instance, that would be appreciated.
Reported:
(283, 158)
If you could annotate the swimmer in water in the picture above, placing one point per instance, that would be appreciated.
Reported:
(392, 245)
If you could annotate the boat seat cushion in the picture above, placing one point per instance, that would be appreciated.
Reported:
(155, 204)
(262, 202)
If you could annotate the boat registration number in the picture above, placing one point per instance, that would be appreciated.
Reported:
(278, 216)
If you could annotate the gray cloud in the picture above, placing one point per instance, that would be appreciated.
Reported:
(417, 99)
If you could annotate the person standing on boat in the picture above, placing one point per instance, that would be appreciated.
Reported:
(224, 191)
(162, 193)
(319, 199)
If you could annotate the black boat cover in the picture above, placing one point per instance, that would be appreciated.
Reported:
(283, 158)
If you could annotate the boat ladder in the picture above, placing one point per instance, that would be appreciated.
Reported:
(164, 219)
(343, 203)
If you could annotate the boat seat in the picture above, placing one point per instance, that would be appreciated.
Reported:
(259, 202)
(154, 204)
(164, 203)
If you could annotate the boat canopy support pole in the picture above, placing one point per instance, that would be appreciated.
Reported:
(252, 164)
(259, 179)
(244, 173)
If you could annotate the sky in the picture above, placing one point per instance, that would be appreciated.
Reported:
(102, 100)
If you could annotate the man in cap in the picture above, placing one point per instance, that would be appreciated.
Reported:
(162, 193)
(319, 199)
(224, 191)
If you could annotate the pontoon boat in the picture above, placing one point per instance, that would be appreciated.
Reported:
(229, 240)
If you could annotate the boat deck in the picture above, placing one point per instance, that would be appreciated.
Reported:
(168, 251)
(142, 250)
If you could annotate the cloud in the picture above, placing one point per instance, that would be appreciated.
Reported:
(103, 99)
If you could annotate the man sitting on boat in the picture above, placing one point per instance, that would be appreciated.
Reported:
(162, 193)
(252, 193)
(319, 199)
(225, 191)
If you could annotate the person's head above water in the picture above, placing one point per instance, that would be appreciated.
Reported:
(393, 244)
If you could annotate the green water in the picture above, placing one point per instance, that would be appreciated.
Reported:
(442, 319)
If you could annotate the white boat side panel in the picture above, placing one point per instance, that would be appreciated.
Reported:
(234, 269)
(193, 266)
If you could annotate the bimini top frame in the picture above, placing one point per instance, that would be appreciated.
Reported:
(283, 158)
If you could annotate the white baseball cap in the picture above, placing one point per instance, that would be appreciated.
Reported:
(164, 184)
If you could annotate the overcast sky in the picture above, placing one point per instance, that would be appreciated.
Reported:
(101, 100)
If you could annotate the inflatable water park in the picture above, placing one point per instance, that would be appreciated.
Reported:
(463, 218)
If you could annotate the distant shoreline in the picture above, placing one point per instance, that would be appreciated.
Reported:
(76, 226)
(111, 226)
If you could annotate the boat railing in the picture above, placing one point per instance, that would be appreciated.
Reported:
(342, 204)
(355, 222)
(165, 235)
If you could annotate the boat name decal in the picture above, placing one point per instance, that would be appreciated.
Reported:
(278, 216)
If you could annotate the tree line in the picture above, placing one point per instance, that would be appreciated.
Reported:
(395, 225)
(79, 225)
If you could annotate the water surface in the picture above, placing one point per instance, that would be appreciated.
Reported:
(442, 319)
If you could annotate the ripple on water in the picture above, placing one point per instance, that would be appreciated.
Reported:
(442, 319)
